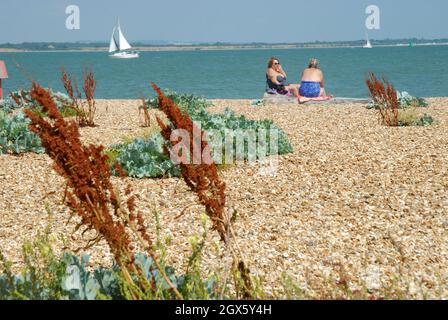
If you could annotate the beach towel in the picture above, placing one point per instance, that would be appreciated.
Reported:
(274, 92)
(305, 99)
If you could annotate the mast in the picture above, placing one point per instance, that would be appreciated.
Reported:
(123, 44)
(368, 44)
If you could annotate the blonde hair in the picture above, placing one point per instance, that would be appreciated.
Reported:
(314, 63)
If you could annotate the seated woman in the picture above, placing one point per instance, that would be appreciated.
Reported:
(312, 85)
(276, 79)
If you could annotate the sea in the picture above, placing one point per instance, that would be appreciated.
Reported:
(234, 74)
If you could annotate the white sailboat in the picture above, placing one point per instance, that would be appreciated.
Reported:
(121, 49)
(368, 45)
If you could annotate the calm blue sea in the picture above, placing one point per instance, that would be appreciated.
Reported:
(422, 71)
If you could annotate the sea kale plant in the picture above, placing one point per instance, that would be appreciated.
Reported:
(15, 137)
(395, 109)
(196, 107)
(47, 276)
(405, 100)
(22, 100)
(142, 158)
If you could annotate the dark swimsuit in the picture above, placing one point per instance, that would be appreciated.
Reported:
(278, 87)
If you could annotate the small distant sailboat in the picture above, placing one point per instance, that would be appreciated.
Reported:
(121, 49)
(368, 45)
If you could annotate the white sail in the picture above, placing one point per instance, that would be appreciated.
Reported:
(113, 43)
(368, 45)
(123, 44)
(120, 49)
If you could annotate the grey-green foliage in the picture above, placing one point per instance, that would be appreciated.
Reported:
(405, 101)
(419, 121)
(426, 120)
(48, 276)
(8, 106)
(40, 278)
(69, 279)
(72, 279)
(187, 102)
(15, 137)
(144, 158)
(62, 101)
(196, 107)
(79, 283)
(229, 120)
(30, 285)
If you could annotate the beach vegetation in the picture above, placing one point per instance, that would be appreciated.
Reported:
(15, 137)
(21, 99)
(85, 109)
(405, 100)
(408, 101)
(412, 117)
(395, 109)
(112, 216)
(143, 159)
(143, 109)
(49, 276)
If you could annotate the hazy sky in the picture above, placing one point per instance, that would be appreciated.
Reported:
(223, 20)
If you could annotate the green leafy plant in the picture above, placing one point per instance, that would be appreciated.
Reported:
(144, 158)
(196, 107)
(411, 117)
(41, 276)
(405, 100)
(394, 108)
(46, 276)
(22, 100)
(15, 137)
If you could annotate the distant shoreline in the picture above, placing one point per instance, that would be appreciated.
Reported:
(220, 48)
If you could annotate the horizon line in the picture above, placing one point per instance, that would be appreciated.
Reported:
(177, 42)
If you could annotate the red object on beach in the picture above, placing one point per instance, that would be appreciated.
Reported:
(3, 75)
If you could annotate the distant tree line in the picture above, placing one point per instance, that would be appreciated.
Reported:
(93, 45)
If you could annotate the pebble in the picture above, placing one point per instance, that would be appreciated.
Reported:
(312, 208)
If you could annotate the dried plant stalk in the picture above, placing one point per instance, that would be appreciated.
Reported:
(146, 114)
(85, 111)
(385, 97)
(89, 88)
(90, 193)
(201, 178)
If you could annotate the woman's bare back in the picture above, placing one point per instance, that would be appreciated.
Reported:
(312, 74)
